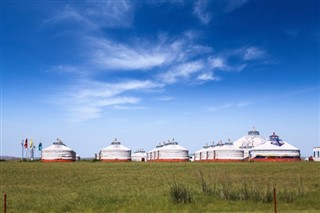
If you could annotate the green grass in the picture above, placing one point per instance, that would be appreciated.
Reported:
(147, 187)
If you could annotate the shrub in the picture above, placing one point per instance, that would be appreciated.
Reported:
(267, 194)
(204, 185)
(179, 193)
(244, 193)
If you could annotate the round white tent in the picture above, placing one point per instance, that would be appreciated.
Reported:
(201, 154)
(220, 153)
(170, 152)
(227, 152)
(139, 155)
(153, 154)
(115, 152)
(316, 154)
(211, 152)
(275, 149)
(58, 152)
(247, 142)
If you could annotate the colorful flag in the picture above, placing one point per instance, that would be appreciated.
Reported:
(40, 146)
(31, 143)
(26, 143)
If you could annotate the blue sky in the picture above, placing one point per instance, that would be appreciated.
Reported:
(144, 72)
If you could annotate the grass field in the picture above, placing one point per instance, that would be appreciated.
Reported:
(146, 187)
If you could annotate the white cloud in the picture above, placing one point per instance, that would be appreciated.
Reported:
(217, 63)
(83, 113)
(252, 53)
(181, 72)
(221, 107)
(79, 110)
(207, 76)
(233, 5)
(200, 11)
(168, 60)
(87, 99)
(116, 101)
(237, 68)
(245, 53)
(63, 69)
(94, 16)
(228, 106)
(125, 107)
(166, 98)
(221, 63)
(110, 55)
(100, 89)
(243, 104)
(143, 54)
(68, 13)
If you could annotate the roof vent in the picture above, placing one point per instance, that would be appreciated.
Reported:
(253, 132)
(115, 142)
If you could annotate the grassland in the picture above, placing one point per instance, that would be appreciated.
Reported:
(145, 187)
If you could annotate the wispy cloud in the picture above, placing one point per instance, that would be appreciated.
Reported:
(207, 76)
(201, 12)
(89, 88)
(94, 16)
(221, 63)
(65, 69)
(205, 10)
(233, 5)
(161, 59)
(181, 72)
(79, 110)
(87, 99)
(237, 59)
(68, 13)
(221, 107)
(166, 98)
(83, 113)
(146, 54)
(106, 54)
(84, 109)
(252, 53)
(243, 104)
(126, 107)
(247, 52)
(228, 106)
(217, 63)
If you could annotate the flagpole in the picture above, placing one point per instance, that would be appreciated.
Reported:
(31, 153)
(22, 143)
(31, 149)
(40, 149)
(26, 147)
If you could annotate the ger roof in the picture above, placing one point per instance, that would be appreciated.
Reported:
(171, 145)
(227, 146)
(58, 145)
(270, 146)
(115, 145)
(252, 139)
(205, 147)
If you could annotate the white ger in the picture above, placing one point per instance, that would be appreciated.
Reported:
(139, 155)
(169, 152)
(316, 153)
(247, 142)
(275, 150)
(115, 153)
(58, 152)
